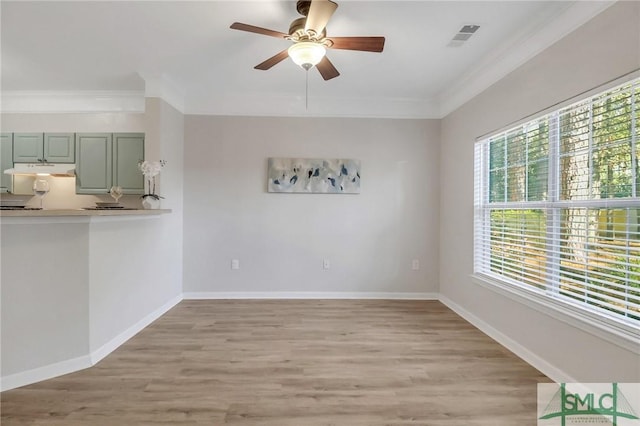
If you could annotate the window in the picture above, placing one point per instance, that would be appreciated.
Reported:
(557, 206)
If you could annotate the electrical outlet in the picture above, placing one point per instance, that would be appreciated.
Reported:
(235, 263)
(326, 264)
(415, 264)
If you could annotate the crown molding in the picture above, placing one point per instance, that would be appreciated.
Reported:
(512, 55)
(72, 101)
(161, 86)
(273, 105)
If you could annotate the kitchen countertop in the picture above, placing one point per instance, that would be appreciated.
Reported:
(82, 212)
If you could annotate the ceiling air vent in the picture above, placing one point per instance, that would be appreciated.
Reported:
(463, 35)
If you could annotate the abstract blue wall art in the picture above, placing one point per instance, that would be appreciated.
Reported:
(317, 176)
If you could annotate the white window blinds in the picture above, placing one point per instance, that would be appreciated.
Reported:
(557, 210)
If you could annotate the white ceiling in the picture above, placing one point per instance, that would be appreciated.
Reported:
(186, 51)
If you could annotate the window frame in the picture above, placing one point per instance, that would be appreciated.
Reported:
(549, 300)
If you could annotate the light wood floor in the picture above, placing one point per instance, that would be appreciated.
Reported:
(298, 363)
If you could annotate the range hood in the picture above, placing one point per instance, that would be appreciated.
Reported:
(53, 169)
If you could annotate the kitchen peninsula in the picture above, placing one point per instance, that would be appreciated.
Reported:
(76, 284)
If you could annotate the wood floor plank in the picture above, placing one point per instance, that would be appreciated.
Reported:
(293, 362)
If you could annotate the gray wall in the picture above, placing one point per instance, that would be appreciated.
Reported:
(603, 49)
(282, 239)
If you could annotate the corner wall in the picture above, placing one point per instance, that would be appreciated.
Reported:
(601, 50)
(165, 129)
(131, 287)
(281, 239)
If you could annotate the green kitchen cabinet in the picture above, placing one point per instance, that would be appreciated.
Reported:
(94, 161)
(59, 147)
(6, 160)
(47, 147)
(28, 147)
(105, 160)
(128, 151)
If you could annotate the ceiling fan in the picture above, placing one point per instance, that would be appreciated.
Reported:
(310, 41)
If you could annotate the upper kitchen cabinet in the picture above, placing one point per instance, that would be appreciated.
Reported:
(59, 148)
(128, 151)
(6, 160)
(93, 168)
(28, 147)
(47, 147)
(105, 160)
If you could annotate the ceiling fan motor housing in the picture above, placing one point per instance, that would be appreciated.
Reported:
(297, 25)
(298, 33)
(302, 6)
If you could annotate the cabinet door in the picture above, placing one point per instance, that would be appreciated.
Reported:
(27, 147)
(59, 147)
(93, 163)
(128, 151)
(6, 160)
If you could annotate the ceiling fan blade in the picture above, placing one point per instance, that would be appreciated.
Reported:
(258, 30)
(367, 44)
(275, 59)
(320, 12)
(327, 70)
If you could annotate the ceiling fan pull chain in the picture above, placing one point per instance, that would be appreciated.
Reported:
(306, 91)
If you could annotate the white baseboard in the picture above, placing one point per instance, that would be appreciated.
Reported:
(28, 377)
(525, 354)
(116, 342)
(80, 363)
(308, 295)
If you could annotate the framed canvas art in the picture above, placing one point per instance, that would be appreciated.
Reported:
(316, 176)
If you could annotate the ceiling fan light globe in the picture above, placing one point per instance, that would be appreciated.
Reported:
(307, 54)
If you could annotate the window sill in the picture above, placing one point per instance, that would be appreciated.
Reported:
(620, 334)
